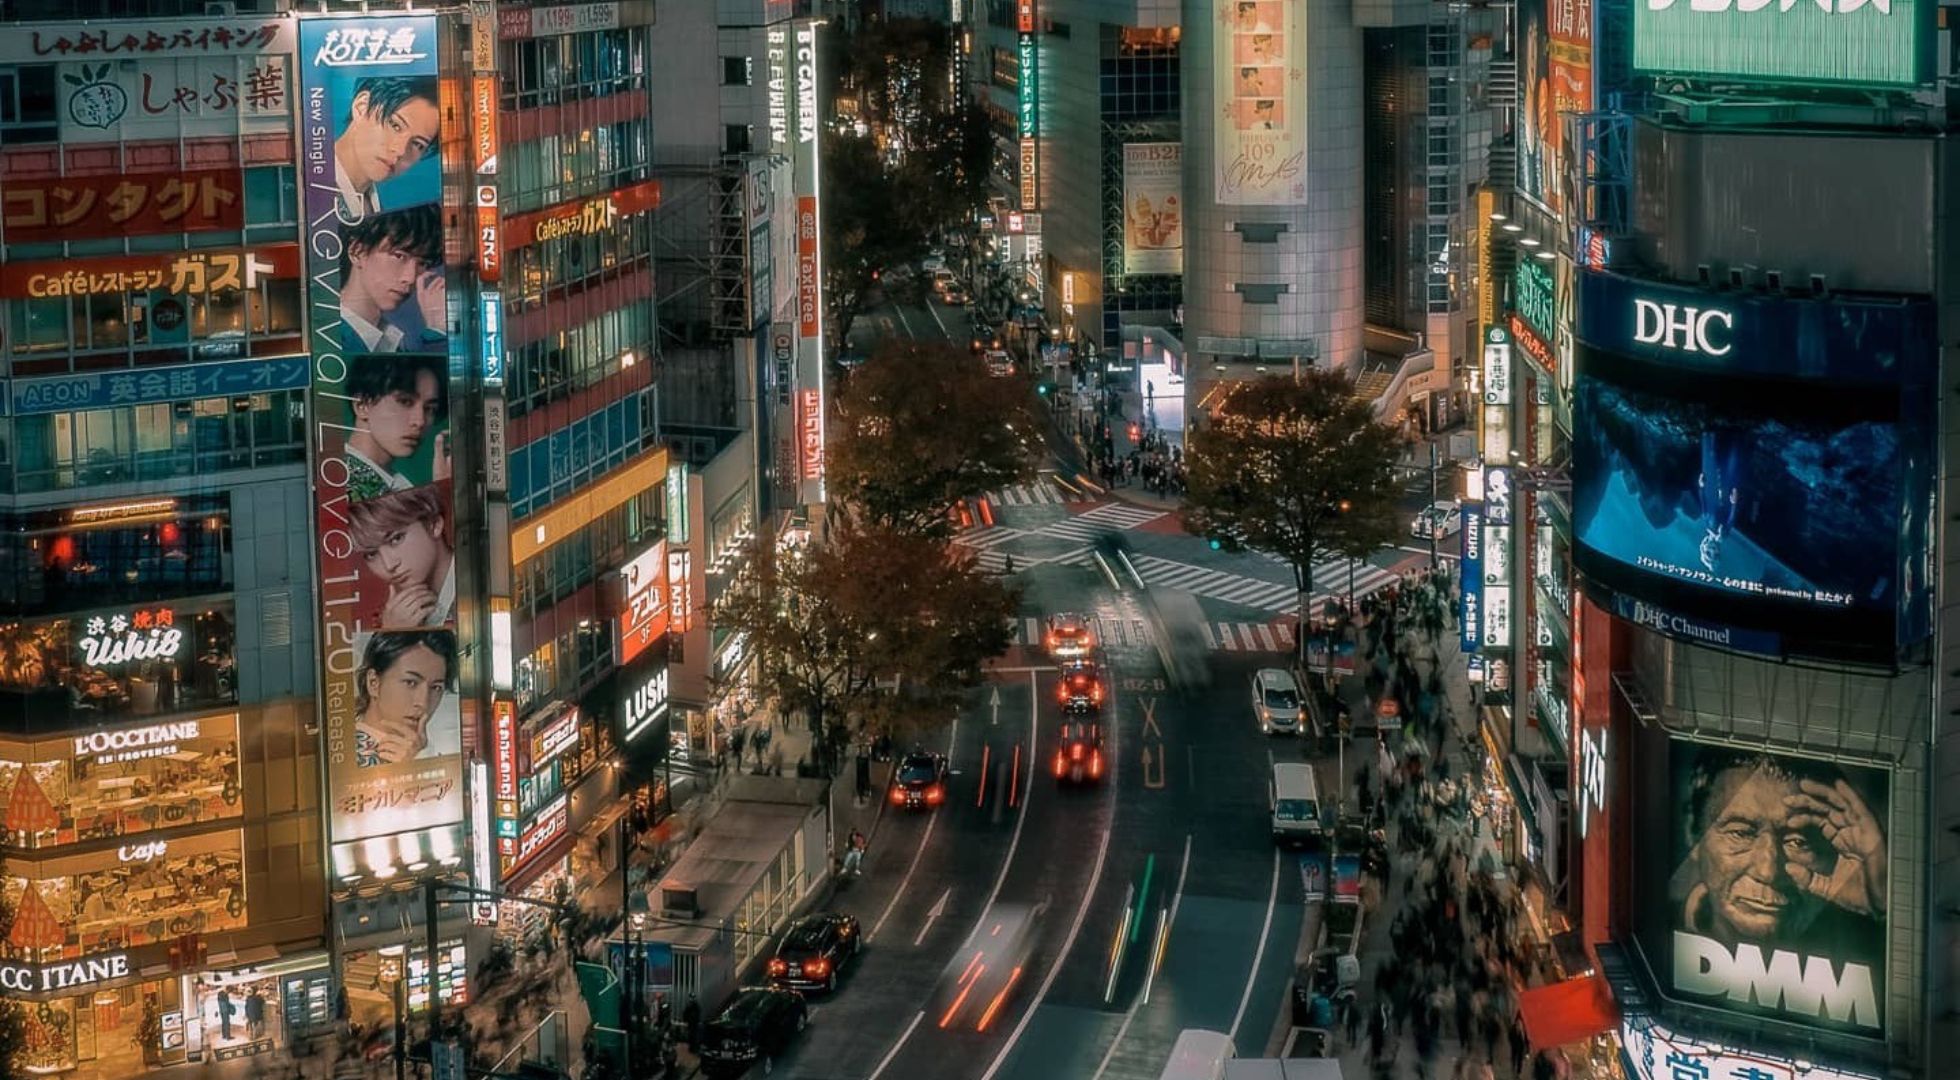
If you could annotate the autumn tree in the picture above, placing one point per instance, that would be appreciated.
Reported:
(922, 425)
(874, 630)
(1300, 470)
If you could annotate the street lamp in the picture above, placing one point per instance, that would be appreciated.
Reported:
(391, 975)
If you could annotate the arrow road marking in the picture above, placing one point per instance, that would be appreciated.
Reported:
(1149, 759)
(994, 703)
(938, 909)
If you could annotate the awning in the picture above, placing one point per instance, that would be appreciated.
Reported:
(1568, 1012)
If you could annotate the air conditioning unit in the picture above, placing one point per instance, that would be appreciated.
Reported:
(220, 7)
(679, 902)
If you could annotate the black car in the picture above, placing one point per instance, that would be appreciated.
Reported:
(813, 950)
(756, 1025)
(920, 780)
(984, 338)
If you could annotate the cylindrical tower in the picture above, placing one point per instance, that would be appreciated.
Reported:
(1272, 186)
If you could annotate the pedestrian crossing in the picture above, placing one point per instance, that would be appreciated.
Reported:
(1090, 525)
(1330, 580)
(1124, 633)
(1042, 492)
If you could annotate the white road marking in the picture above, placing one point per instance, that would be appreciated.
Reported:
(893, 1052)
(952, 740)
(1258, 951)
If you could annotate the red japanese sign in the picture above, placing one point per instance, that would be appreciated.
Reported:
(581, 216)
(809, 291)
(489, 236)
(1534, 346)
(643, 584)
(810, 426)
(483, 122)
(504, 761)
(98, 207)
(1025, 11)
(182, 273)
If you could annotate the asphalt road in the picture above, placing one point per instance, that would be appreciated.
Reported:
(1162, 902)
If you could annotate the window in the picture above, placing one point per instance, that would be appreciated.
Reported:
(735, 70)
(27, 104)
(59, 451)
(271, 197)
(735, 138)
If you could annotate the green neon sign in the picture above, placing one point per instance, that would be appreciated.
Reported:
(1850, 42)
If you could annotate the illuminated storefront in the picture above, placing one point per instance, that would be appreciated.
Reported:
(113, 782)
(142, 660)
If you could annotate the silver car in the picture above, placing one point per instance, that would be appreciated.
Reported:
(1276, 700)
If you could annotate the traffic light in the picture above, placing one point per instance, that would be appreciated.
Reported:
(1043, 387)
(1217, 544)
(1136, 432)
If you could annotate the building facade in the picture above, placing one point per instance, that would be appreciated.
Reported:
(1703, 584)
(159, 753)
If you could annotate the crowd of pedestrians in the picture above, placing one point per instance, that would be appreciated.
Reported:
(1460, 948)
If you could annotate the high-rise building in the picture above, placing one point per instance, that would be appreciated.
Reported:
(489, 477)
(1700, 560)
(336, 505)
(160, 762)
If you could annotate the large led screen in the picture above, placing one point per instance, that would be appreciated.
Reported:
(1749, 504)
(1860, 42)
(1775, 896)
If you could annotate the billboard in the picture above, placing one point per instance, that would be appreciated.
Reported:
(1851, 42)
(1153, 208)
(1538, 126)
(57, 208)
(1775, 897)
(1568, 35)
(378, 300)
(1743, 498)
(1844, 338)
(1259, 56)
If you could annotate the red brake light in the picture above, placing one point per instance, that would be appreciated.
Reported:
(776, 966)
(898, 795)
(816, 967)
(1095, 763)
(1061, 763)
(936, 794)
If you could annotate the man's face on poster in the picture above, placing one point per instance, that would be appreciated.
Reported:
(1742, 854)
(398, 421)
(382, 145)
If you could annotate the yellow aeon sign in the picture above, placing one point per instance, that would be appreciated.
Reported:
(590, 217)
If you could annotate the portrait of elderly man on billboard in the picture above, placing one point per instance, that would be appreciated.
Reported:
(1783, 852)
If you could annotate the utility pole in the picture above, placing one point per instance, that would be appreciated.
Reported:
(1434, 526)
(631, 961)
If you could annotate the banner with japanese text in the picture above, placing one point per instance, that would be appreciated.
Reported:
(377, 285)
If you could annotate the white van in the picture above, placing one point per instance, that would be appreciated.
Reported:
(1295, 803)
(1198, 1055)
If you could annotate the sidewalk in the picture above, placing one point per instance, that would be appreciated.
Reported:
(1377, 950)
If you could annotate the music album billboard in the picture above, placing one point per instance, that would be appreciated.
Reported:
(1775, 897)
(1153, 208)
(1259, 54)
(1851, 42)
(377, 293)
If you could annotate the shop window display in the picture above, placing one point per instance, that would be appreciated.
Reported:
(81, 669)
(126, 897)
(144, 779)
